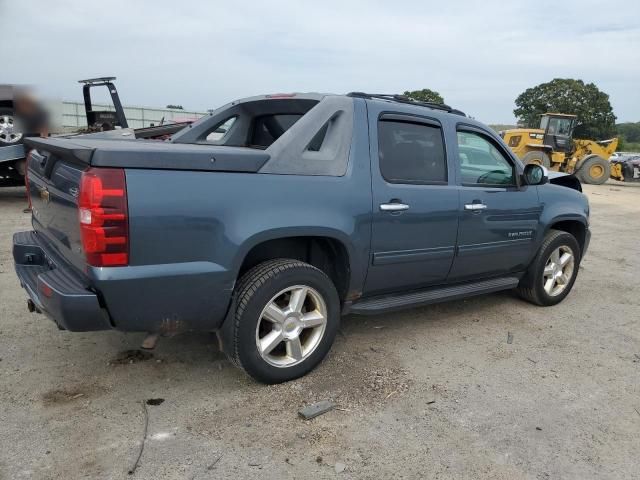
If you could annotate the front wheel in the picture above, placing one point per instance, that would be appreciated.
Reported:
(285, 317)
(553, 271)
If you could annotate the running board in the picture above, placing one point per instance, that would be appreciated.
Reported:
(388, 303)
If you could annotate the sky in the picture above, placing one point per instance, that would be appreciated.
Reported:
(480, 55)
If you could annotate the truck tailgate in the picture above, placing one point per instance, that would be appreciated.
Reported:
(54, 185)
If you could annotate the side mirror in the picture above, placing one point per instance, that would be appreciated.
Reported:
(535, 174)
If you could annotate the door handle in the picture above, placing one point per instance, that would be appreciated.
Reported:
(393, 207)
(474, 206)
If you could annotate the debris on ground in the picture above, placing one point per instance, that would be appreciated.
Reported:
(315, 409)
(509, 338)
(339, 467)
(61, 396)
(131, 356)
(132, 470)
(154, 402)
(150, 341)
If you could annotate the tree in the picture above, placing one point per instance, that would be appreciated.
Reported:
(425, 95)
(175, 107)
(566, 95)
(629, 136)
(629, 131)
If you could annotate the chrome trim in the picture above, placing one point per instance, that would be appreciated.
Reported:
(474, 206)
(393, 207)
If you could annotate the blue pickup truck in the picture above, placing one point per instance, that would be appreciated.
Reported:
(273, 216)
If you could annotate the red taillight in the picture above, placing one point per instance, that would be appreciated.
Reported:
(46, 290)
(104, 219)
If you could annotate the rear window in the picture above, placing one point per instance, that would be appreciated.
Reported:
(220, 132)
(411, 153)
(268, 128)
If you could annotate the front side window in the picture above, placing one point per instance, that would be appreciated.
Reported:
(411, 152)
(481, 163)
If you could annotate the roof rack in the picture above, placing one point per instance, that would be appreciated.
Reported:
(407, 100)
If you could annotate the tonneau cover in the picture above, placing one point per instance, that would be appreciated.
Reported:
(152, 154)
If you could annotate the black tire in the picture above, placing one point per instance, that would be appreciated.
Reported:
(5, 111)
(252, 294)
(594, 170)
(538, 157)
(531, 287)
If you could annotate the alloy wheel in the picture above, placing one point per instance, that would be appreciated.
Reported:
(291, 326)
(558, 271)
(9, 132)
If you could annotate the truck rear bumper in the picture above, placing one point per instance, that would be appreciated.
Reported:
(13, 152)
(54, 288)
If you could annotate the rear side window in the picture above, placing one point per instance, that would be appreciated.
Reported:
(268, 128)
(411, 153)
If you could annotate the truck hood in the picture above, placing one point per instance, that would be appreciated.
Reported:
(565, 180)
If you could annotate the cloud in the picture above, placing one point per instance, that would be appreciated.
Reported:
(478, 55)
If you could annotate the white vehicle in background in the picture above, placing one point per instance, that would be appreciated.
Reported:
(620, 155)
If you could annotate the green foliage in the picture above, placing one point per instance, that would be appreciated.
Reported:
(501, 126)
(630, 147)
(425, 95)
(566, 95)
(629, 137)
(629, 131)
(624, 146)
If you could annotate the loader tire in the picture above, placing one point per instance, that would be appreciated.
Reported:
(594, 170)
(537, 157)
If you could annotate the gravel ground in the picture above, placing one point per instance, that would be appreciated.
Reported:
(435, 392)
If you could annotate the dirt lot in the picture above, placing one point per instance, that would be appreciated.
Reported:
(434, 392)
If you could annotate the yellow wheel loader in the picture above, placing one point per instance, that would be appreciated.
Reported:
(553, 146)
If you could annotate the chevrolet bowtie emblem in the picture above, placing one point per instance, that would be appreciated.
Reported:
(44, 195)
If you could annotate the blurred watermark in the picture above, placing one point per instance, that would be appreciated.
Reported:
(23, 114)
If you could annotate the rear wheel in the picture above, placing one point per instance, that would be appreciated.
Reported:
(552, 273)
(537, 157)
(10, 132)
(285, 317)
(594, 170)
